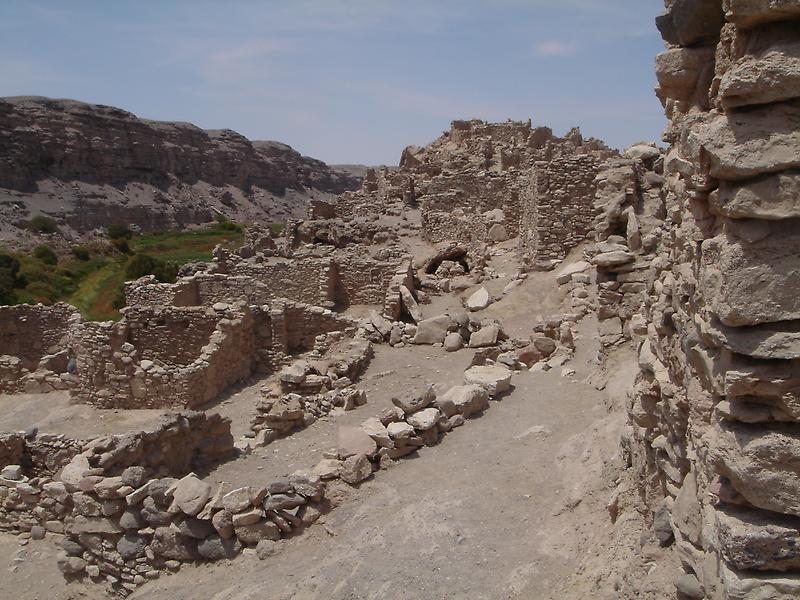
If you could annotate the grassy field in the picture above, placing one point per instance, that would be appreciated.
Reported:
(95, 284)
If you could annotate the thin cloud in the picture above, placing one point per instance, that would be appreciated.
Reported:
(555, 48)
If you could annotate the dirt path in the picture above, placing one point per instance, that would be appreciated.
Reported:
(494, 511)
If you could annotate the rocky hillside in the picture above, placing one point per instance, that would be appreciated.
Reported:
(88, 165)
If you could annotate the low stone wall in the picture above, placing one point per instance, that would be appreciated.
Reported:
(311, 387)
(124, 526)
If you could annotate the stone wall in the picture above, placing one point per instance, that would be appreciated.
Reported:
(163, 356)
(557, 209)
(33, 346)
(629, 222)
(713, 435)
(364, 279)
(344, 278)
(163, 353)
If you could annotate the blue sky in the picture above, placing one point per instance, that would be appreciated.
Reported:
(347, 81)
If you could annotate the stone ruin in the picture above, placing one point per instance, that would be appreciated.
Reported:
(33, 355)
(489, 182)
(688, 254)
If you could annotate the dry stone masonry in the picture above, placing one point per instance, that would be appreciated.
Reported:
(713, 434)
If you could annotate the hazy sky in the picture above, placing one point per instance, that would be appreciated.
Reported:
(347, 81)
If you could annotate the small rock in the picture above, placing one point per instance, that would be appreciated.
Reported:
(478, 300)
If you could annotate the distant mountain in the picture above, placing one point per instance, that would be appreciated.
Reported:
(88, 165)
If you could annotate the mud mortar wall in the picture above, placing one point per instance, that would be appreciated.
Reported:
(714, 418)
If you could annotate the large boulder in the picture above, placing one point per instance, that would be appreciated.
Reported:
(191, 494)
(432, 330)
(356, 469)
(352, 441)
(485, 336)
(169, 544)
(479, 300)
(463, 399)
(410, 304)
(567, 272)
(424, 419)
(453, 341)
(493, 378)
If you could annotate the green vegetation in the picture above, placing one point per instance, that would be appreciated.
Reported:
(9, 278)
(140, 265)
(80, 252)
(115, 231)
(46, 254)
(93, 277)
(42, 224)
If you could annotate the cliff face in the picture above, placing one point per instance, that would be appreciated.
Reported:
(715, 414)
(85, 163)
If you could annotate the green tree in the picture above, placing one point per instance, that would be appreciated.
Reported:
(7, 294)
(80, 252)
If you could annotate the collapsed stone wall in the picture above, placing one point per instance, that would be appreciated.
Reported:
(33, 354)
(713, 435)
(81, 497)
(37, 454)
(628, 225)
